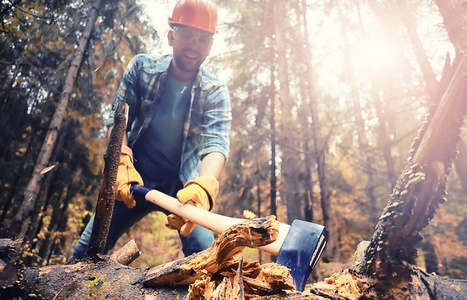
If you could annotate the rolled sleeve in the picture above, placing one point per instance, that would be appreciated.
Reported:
(217, 123)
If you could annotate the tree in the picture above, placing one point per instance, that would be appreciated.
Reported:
(36, 58)
(30, 195)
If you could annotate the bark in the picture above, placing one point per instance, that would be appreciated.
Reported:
(31, 192)
(106, 198)
(431, 83)
(127, 254)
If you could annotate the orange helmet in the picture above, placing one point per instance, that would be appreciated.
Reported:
(201, 14)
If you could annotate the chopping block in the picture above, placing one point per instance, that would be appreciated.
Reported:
(298, 247)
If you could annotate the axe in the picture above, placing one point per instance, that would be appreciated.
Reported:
(298, 246)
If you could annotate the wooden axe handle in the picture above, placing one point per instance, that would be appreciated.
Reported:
(209, 220)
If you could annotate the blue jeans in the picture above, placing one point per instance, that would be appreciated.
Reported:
(123, 218)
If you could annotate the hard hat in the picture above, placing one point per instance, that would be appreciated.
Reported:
(201, 14)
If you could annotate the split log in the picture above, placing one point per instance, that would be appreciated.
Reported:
(251, 233)
(217, 274)
(229, 288)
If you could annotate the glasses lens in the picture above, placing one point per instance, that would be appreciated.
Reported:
(203, 40)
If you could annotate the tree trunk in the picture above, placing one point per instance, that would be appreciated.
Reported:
(106, 278)
(272, 124)
(384, 138)
(32, 190)
(429, 76)
(319, 148)
(288, 139)
(303, 112)
(420, 189)
(454, 15)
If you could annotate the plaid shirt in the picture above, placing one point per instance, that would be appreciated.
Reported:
(207, 125)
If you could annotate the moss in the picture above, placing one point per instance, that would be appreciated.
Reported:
(95, 285)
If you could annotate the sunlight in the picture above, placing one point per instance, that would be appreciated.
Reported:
(374, 56)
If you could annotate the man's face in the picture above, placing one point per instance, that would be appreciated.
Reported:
(191, 46)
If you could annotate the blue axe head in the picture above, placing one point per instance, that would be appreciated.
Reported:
(302, 249)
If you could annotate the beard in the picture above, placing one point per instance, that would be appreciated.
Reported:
(188, 60)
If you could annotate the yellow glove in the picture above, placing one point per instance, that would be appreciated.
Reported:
(200, 192)
(126, 175)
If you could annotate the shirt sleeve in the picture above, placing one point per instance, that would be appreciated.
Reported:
(217, 123)
(127, 92)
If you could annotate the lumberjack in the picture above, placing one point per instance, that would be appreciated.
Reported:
(177, 137)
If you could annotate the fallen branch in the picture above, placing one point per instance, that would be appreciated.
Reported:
(106, 198)
(127, 254)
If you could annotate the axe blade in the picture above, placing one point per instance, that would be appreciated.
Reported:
(302, 249)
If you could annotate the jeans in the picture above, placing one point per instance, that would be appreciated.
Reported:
(123, 218)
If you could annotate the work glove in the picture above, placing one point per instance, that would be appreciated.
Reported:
(126, 176)
(200, 192)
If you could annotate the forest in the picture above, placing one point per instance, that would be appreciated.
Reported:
(327, 99)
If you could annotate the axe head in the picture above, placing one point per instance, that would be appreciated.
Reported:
(301, 250)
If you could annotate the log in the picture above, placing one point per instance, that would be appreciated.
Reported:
(127, 254)
(251, 233)
(105, 278)
(215, 271)
(92, 279)
(216, 274)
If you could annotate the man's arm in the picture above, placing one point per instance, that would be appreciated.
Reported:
(200, 192)
(212, 164)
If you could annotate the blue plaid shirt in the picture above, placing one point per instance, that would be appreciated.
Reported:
(207, 125)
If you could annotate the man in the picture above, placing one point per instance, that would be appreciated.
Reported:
(178, 129)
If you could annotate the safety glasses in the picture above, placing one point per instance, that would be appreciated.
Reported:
(186, 35)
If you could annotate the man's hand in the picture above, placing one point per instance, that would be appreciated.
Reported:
(126, 175)
(200, 192)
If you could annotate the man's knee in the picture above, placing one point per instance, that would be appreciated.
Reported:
(199, 239)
